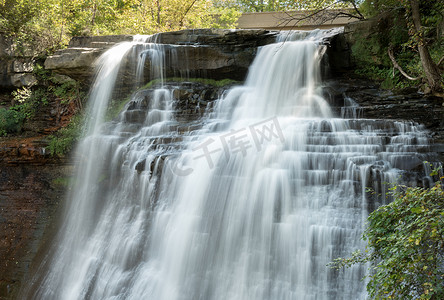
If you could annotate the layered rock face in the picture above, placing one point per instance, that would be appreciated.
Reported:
(15, 66)
(208, 53)
(77, 61)
(368, 101)
(30, 195)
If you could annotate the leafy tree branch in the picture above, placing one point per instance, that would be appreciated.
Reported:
(405, 246)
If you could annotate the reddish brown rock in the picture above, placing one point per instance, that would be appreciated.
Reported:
(29, 196)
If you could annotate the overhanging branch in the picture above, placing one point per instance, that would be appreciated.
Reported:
(440, 61)
(321, 15)
(397, 66)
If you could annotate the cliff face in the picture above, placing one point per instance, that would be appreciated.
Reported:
(29, 197)
(15, 66)
(32, 183)
(209, 53)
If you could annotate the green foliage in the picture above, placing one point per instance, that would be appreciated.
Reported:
(11, 121)
(28, 100)
(371, 49)
(25, 103)
(226, 17)
(282, 5)
(62, 88)
(406, 246)
(394, 28)
(64, 140)
(62, 181)
(431, 10)
(371, 8)
(50, 89)
(32, 24)
(47, 25)
(372, 62)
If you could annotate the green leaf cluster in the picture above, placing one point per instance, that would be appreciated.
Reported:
(11, 121)
(25, 105)
(62, 142)
(47, 25)
(67, 93)
(407, 240)
(60, 88)
(405, 246)
(282, 5)
(26, 101)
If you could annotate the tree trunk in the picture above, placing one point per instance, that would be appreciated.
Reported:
(185, 13)
(430, 68)
(93, 18)
(158, 12)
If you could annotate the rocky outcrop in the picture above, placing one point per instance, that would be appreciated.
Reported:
(15, 66)
(372, 102)
(221, 53)
(338, 52)
(207, 53)
(78, 59)
(76, 63)
(29, 197)
(14, 151)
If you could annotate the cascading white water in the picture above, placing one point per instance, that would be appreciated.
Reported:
(254, 207)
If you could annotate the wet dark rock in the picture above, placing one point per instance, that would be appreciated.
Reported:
(135, 116)
(407, 162)
(339, 55)
(384, 104)
(191, 99)
(140, 166)
(29, 197)
(155, 166)
(231, 40)
(325, 126)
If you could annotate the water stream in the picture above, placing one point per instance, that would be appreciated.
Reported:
(252, 205)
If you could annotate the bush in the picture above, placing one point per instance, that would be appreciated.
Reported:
(11, 121)
(405, 246)
(64, 140)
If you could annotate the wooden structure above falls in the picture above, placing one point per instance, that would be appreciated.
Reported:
(295, 20)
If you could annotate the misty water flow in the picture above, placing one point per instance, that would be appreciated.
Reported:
(253, 205)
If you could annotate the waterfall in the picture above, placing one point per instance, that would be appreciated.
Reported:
(253, 205)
